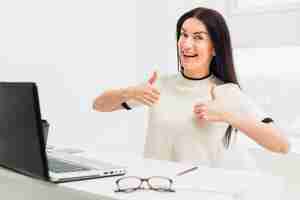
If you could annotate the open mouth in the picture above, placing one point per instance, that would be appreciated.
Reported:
(190, 56)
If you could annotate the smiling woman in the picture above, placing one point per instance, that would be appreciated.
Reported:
(195, 48)
(193, 113)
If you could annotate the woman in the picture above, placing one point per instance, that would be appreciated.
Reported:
(195, 115)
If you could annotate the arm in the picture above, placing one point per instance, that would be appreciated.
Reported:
(245, 118)
(112, 100)
(265, 134)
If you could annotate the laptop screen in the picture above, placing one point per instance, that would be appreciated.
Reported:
(22, 147)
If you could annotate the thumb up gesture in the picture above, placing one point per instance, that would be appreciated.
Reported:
(147, 94)
(211, 111)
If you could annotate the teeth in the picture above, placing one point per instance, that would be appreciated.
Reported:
(190, 55)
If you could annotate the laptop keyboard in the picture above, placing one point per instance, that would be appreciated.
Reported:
(58, 166)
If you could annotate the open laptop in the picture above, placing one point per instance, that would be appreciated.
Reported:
(22, 143)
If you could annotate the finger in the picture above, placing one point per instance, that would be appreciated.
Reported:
(199, 105)
(201, 114)
(151, 99)
(196, 109)
(155, 91)
(197, 114)
(148, 103)
(153, 78)
(154, 97)
(151, 93)
(202, 117)
(200, 108)
(144, 101)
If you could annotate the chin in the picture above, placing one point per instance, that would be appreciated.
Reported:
(189, 66)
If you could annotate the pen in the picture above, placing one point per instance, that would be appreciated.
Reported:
(187, 171)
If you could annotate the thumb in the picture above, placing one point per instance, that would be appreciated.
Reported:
(212, 92)
(153, 78)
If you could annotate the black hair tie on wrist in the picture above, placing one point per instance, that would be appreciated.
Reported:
(267, 120)
(126, 106)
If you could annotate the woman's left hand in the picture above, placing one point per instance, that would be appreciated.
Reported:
(212, 111)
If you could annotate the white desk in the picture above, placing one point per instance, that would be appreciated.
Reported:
(195, 185)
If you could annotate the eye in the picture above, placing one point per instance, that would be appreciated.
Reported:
(183, 34)
(198, 37)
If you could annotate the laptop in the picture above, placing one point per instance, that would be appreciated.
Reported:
(23, 146)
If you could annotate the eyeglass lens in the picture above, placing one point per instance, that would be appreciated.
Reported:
(132, 183)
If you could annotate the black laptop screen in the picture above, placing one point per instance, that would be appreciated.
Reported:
(22, 147)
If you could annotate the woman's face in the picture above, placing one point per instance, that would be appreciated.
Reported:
(195, 46)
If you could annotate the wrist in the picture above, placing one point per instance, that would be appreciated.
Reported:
(228, 117)
(127, 93)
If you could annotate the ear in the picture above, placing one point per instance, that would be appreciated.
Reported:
(213, 53)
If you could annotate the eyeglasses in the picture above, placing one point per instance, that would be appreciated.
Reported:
(132, 183)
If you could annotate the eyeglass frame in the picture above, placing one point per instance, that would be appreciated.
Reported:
(142, 180)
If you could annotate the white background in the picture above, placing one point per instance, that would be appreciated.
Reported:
(73, 49)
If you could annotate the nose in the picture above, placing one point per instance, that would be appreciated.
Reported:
(187, 43)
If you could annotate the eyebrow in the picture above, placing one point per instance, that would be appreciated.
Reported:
(199, 32)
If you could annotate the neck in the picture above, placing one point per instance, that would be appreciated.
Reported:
(196, 74)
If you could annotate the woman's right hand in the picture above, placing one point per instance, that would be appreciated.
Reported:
(146, 94)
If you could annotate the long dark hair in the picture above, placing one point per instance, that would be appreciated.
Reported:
(222, 65)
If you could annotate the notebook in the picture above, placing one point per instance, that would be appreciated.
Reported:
(22, 142)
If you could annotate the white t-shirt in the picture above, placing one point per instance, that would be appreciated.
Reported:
(173, 133)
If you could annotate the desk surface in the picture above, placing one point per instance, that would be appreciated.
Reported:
(204, 183)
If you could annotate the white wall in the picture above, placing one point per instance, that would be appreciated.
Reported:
(73, 49)
(156, 33)
(265, 23)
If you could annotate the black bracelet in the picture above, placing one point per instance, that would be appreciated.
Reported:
(267, 120)
(126, 106)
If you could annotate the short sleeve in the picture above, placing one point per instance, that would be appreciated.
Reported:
(238, 102)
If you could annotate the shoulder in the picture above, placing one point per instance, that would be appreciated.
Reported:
(227, 87)
(227, 90)
(166, 79)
